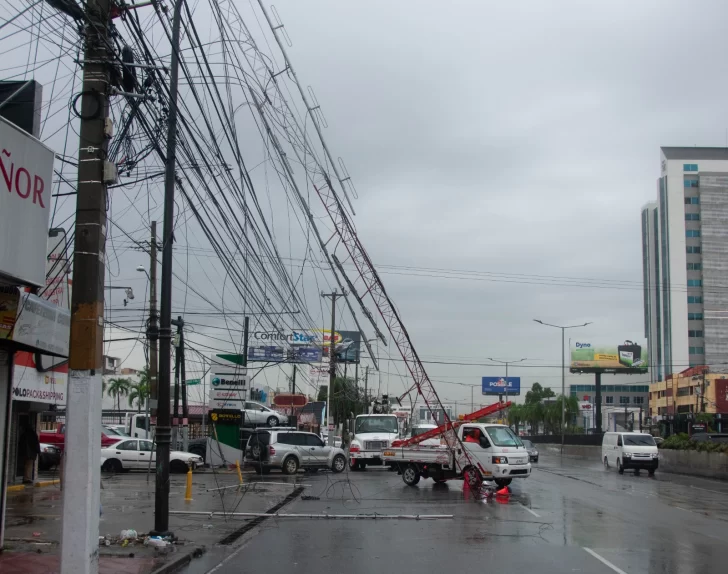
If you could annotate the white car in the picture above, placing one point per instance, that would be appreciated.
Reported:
(135, 453)
(423, 428)
(257, 414)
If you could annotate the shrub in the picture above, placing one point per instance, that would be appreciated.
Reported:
(682, 442)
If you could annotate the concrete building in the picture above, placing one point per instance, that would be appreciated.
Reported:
(694, 390)
(685, 261)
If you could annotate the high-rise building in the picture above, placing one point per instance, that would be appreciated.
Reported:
(685, 262)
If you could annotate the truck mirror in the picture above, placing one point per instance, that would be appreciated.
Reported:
(484, 442)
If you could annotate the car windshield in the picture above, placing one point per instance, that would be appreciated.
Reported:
(503, 436)
(384, 423)
(638, 440)
(527, 443)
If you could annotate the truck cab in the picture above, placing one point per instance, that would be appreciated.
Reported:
(371, 434)
(497, 452)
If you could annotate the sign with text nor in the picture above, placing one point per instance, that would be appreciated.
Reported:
(501, 385)
(26, 172)
(225, 417)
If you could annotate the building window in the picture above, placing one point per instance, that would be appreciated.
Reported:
(683, 391)
(697, 299)
(610, 400)
(693, 248)
(638, 400)
(692, 217)
(695, 316)
(690, 167)
(692, 200)
(696, 350)
(696, 333)
(695, 282)
(623, 400)
(692, 233)
(691, 182)
(695, 266)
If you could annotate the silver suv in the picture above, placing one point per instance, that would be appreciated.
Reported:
(291, 450)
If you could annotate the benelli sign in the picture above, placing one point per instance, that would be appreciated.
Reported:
(26, 171)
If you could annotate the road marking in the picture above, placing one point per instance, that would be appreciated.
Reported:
(529, 510)
(604, 561)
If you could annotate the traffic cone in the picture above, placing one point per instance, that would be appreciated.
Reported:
(503, 492)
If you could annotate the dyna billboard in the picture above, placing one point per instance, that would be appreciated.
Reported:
(625, 357)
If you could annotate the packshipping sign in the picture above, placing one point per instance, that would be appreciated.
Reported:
(501, 385)
(26, 171)
(627, 357)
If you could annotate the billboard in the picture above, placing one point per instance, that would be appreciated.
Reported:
(501, 385)
(25, 203)
(301, 346)
(627, 357)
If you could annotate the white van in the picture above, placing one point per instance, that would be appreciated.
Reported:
(630, 450)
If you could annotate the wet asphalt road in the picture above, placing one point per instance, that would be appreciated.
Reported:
(567, 517)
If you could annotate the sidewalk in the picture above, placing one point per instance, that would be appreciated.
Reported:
(34, 516)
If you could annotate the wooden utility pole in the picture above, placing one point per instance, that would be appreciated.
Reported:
(81, 493)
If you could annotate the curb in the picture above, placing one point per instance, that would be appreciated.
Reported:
(39, 484)
(179, 562)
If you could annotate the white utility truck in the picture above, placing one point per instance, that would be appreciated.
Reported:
(371, 434)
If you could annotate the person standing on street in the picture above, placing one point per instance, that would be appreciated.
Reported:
(29, 449)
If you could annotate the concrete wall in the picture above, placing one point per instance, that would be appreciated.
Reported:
(690, 462)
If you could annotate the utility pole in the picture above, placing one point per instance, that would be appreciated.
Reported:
(506, 363)
(563, 374)
(161, 493)
(82, 485)
(366, 390)
(332, 359)
(153, 329)
(293, 380)
(185, 409)
(177, 364)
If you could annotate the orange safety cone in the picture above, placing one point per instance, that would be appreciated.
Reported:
(503, 492)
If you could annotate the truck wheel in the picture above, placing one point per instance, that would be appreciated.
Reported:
(411, 475)
(503, 481)
(606, 463)
(472, 476)
(620, 468)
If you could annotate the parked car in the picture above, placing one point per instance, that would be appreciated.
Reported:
(630, 450)
(57, 437)
(114, 430)
(291, 450)
(710, 437)
(130, 454)
(50, 456)
(532, 450)
(257, 414)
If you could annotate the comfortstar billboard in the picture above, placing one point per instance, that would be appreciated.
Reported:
(623, 357)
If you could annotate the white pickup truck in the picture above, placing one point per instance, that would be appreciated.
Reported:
(495, 453)
(372, 433)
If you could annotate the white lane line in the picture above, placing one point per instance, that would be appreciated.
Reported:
(529, 510)
(604, 561)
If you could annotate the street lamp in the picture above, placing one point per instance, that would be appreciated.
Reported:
(506, 363)
(563, 373)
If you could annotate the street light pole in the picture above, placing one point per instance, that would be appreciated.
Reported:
(506, 363)
(563, 373)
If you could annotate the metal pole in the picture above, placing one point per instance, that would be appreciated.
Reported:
(153, 330)
(185, 409)
(175, 411)
(82, 480)
(161, 495)
(204, 400)
(332, 368)
(472, 399)
(366, 390)
(563, 390)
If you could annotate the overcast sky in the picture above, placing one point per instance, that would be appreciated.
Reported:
(515, 141)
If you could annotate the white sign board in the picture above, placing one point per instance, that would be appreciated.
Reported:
(226, 394)
(228, 382)
(26, 172)
(227, 404)
(42, 325)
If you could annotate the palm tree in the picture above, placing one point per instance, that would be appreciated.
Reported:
(118, 388)
(138, 392)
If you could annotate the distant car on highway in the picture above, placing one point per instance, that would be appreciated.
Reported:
(630, 450)
(532, 450)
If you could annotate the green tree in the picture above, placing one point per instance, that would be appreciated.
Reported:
(346, 398)
(139, 391)
(118, 388)
(538, 393)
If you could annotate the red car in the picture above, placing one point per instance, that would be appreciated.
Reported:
(58, 437)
